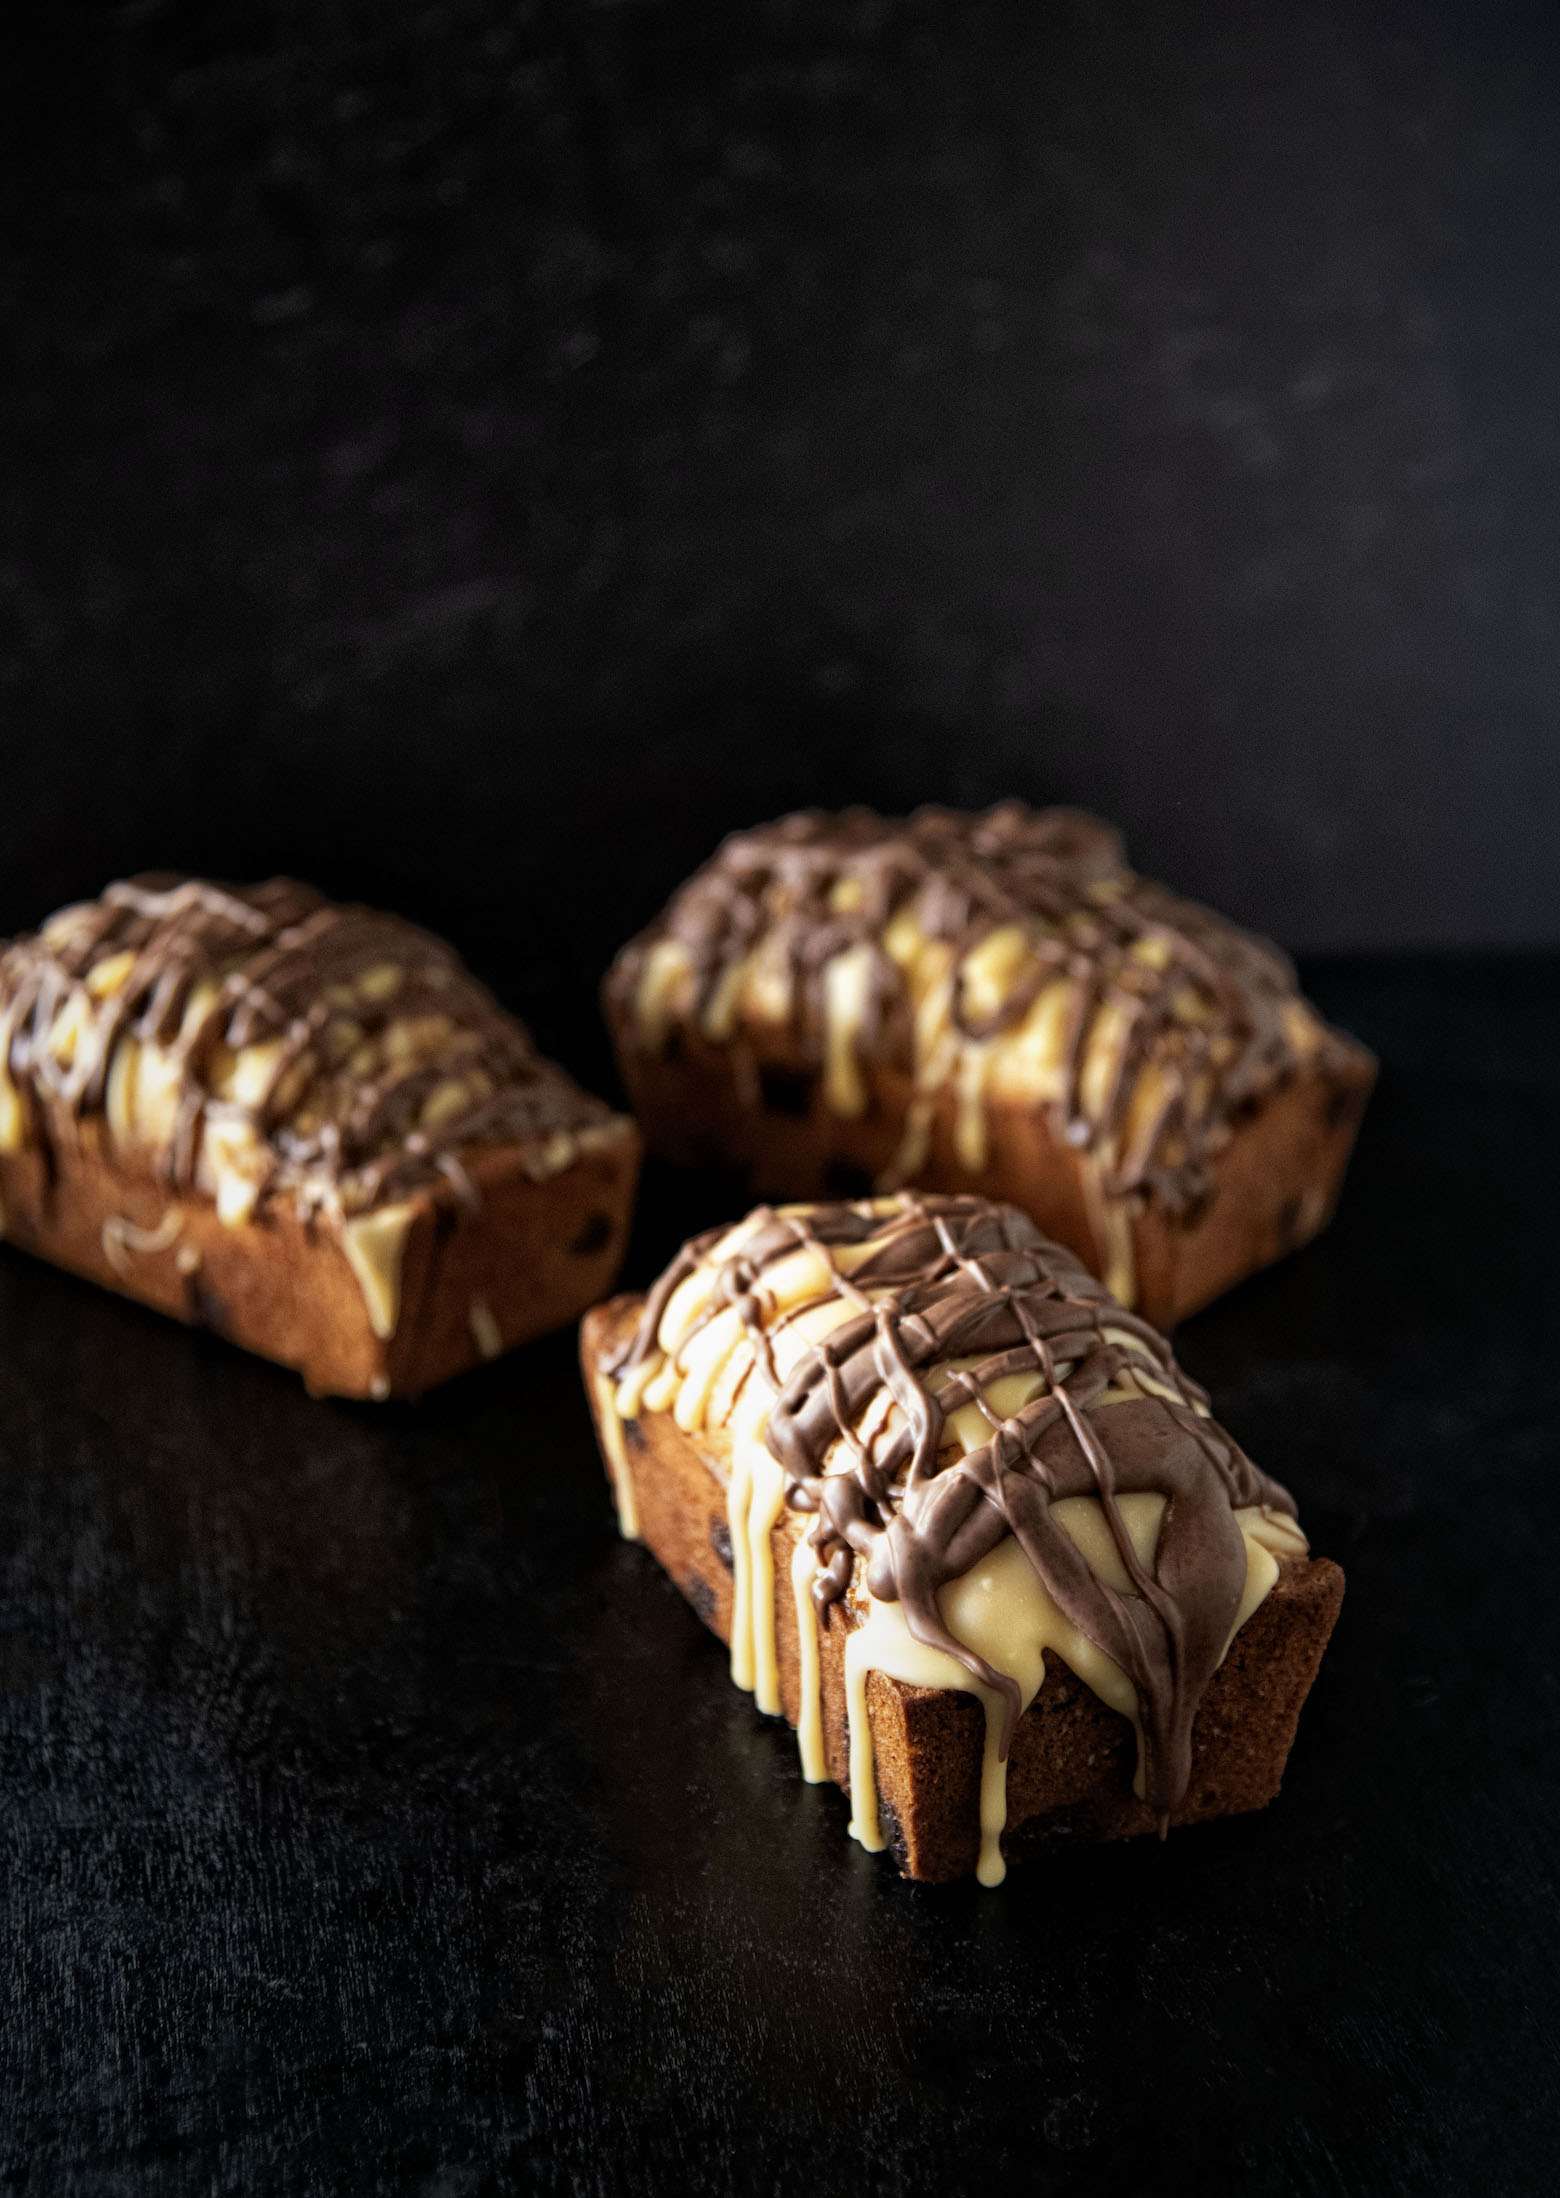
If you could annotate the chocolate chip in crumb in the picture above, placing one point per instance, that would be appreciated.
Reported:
(786, 1091)
(720, 1542)
(208, 1309)
(701, 1595)
(594, 1237)
(893, 1831)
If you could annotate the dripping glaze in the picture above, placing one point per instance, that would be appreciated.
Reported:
(995, 1457)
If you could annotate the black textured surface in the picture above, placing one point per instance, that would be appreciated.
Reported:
(374, 1820)
(433, 436)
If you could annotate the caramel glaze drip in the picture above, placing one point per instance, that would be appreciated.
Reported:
(1063, 877)
(957, 1277)
(283, 964)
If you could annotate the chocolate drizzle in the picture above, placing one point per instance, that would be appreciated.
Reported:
(1212, 1008)
(384, 1059)
(902, 1510)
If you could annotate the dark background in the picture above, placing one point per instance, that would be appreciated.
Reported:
(474, 455)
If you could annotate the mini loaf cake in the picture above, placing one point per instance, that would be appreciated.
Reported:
(964, 1521)
(993, 1003)
(302, 1125)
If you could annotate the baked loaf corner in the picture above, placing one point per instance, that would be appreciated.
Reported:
(992, 1003)
(302, 1125)
(964, 1522)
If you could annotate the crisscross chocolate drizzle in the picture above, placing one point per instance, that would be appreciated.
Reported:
(1204, 1001)
(286, 965)
(947, 1278)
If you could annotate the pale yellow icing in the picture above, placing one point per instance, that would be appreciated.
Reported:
(847, 981)
(1001, 1610)
(809, 1724)
(120, 1237)
(486, 1333)
(375, 1244)
(611, 1426)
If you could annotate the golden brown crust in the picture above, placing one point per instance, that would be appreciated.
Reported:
(1071, 1766)
(529, 1258)
(1275, 1183)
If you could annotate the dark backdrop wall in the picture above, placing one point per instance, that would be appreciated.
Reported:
(473, 454)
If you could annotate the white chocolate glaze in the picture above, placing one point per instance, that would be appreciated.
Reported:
(611, 1429)
(1000, 1609)
(375, 1244)
(486, 1333)
(809, 1725)
(120, 1237)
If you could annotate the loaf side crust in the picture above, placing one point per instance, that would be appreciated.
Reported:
(530, 1257)
(1275, 1184)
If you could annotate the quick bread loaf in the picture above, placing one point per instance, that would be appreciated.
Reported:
(303, 1125)
(964, 1522)
(994, 1003)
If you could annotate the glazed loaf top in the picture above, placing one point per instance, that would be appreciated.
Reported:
(1006, 955)
(260, 1042)
(932, 1379)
